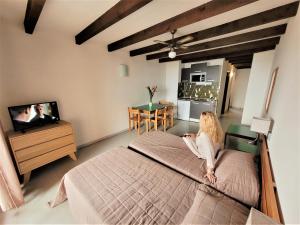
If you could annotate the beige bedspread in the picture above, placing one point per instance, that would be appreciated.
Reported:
(236, 171)
(123, 187)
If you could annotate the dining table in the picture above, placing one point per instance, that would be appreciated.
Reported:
(148, 111)
(149, 108)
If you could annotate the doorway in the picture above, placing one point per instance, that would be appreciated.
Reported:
(225, 93)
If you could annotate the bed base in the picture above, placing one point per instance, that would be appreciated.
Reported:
(269, 197)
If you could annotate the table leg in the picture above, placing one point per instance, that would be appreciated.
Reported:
(146, 122)
(129, 127)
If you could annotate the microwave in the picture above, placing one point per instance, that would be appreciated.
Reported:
(198, 77)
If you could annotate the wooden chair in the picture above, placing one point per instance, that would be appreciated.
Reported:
(170, 111)
(134, 116)
(170, 115)
(159, 116)
(147, 116)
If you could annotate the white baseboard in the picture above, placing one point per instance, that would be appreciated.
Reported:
(100, 139)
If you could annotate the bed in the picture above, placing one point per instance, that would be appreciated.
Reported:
(236, 171)
(123, 187)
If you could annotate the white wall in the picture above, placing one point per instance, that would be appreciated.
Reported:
(173, 72)
(239, 88)
(284, 109)
(83, 79)
(258, 85)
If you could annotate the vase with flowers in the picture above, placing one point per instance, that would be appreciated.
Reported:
(151, 91)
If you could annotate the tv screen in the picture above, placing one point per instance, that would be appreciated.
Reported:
(28, 116)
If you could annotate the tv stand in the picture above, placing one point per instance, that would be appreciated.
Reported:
(40, 146)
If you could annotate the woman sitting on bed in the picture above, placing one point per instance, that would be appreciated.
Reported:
(207, 142)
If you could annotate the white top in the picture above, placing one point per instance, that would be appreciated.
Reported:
(203, 148)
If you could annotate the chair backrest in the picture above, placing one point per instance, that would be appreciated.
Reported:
(160, 112)
(170, 110)
(165, 102)
(133, 112)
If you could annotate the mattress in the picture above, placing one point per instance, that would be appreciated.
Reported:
(172, 151)
(123, 187)
(236, 171)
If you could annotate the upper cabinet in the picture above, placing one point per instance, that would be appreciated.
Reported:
(185, 74)
(199, 68)
(213, 73)
(201, 72)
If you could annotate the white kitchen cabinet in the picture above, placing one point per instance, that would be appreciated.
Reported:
(183, 109)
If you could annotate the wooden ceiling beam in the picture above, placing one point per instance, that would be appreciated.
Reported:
(249, 56)
(32, 14)
(244, 65)
(245, 37)
(119, 11)
(268, 16)
(207, 10)
(240, 61)
(227, 50)
(236, 54)
(219, 56)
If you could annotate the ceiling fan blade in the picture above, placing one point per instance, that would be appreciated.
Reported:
(183, 46)
(161, 42)
(165, 48)
(186, 39)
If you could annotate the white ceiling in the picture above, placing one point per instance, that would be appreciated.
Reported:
(72, 16)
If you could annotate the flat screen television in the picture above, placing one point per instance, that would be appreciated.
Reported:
(29, 116)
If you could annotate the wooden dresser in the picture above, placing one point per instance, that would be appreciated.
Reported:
(41, 146)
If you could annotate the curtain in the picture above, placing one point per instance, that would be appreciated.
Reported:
(11, 195)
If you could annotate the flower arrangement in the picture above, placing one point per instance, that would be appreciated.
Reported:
(152, 91)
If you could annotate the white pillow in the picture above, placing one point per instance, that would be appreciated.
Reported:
(212, 207)
(257, 218)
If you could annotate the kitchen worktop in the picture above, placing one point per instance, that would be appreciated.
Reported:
(197, 99)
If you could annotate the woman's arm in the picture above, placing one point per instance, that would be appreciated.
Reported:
(209, 152)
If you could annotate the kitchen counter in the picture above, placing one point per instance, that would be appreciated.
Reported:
(191, 108)
(197, 99)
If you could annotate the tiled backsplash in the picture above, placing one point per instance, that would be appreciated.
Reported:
(193, 91)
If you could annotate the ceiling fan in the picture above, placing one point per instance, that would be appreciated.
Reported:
(173, 45)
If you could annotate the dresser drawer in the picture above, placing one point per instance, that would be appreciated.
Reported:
(40, 149)
(41, 160)
(31, 139)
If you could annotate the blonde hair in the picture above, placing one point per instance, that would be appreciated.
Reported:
(210, 125)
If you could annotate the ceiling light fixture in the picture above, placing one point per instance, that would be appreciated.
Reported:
(172, 54)
(175, 44)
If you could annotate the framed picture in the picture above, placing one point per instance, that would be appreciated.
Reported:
(271, 88)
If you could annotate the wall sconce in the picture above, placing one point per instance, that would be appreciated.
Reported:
(123, 70)
(261, 125)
